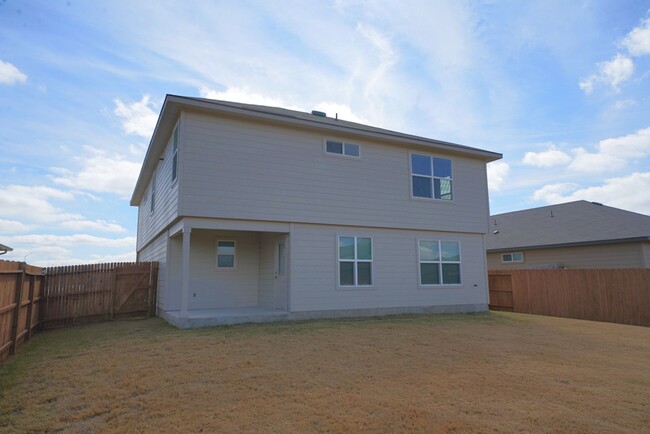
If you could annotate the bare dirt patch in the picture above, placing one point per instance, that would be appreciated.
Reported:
(497, 372)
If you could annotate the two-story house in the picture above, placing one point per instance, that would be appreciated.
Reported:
(259, 213)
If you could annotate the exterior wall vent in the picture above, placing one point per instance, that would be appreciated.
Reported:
(317, 113)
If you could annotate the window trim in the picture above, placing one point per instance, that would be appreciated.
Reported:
(440, 262)
(216, 254)
(432, 177)
(356, 285)
(343, 143)
(503, 261)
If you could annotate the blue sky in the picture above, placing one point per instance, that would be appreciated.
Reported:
(561, 88)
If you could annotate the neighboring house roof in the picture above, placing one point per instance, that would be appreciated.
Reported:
(4, 249)
(174, 104)
(573, 223)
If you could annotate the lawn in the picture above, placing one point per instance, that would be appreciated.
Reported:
(497, 372)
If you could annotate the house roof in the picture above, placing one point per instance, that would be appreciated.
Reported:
(4, 249)
(174, 104)
(567, 224)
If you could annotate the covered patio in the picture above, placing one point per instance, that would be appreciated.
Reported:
(226, 272)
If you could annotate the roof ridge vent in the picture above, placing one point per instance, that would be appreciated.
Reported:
(317, 113)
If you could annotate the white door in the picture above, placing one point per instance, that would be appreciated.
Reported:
(281, 286)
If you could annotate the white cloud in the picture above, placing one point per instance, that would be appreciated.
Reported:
(637, 41)
(553, 193)
(597, 162)
(612, 73)
(33, 203)
(137, 118)
(92, 225)
(497, 171)
(9, 226)
(635, 145)
(9, 74)
(70, 240)
(247, 96)
(101, 173)
(627, 192)
(549, 158)
(612, 154)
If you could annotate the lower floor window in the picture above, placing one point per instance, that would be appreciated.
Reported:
(512, 257)
(355, 261)
(439, 262)
(226, 254)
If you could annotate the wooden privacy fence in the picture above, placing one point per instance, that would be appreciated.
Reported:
(20, 294)
(612, 295)
(84, 293)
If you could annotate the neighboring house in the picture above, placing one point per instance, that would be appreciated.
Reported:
(4, 249)
(571, 235)
(258, 213)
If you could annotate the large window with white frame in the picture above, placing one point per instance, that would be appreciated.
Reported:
(175, 154)
(439, 262)
(337, 147)
(512, 257)
(355, 261)
(431, 177)
(226, 254)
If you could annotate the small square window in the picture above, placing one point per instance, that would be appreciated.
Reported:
(512, 257)
(226, 254)
(342, 148)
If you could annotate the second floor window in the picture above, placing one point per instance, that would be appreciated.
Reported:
(175, 154)
(342, 148)
(431, 177)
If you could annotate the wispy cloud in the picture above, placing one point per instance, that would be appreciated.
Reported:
(137, 117)
(612, 73)
(9, 74)
(70, 240)
(637, 42)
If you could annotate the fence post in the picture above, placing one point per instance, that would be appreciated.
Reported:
(18, 295)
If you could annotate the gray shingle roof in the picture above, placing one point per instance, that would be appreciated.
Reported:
(5, 249)
(570, 223)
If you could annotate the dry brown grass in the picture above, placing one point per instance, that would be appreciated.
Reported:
(462, 373)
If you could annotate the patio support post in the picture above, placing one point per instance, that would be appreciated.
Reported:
(185, 271)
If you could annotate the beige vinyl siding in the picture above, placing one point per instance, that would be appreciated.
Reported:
(626, 255)
(267, 270)
(395, 270)
(242, 170)
(157, 251)
(150, 224)
(645, 249)
(212, 288)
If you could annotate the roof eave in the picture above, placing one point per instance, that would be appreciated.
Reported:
(571, 244)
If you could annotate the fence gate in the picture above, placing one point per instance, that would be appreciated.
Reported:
(132, 290)
(500, 284)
